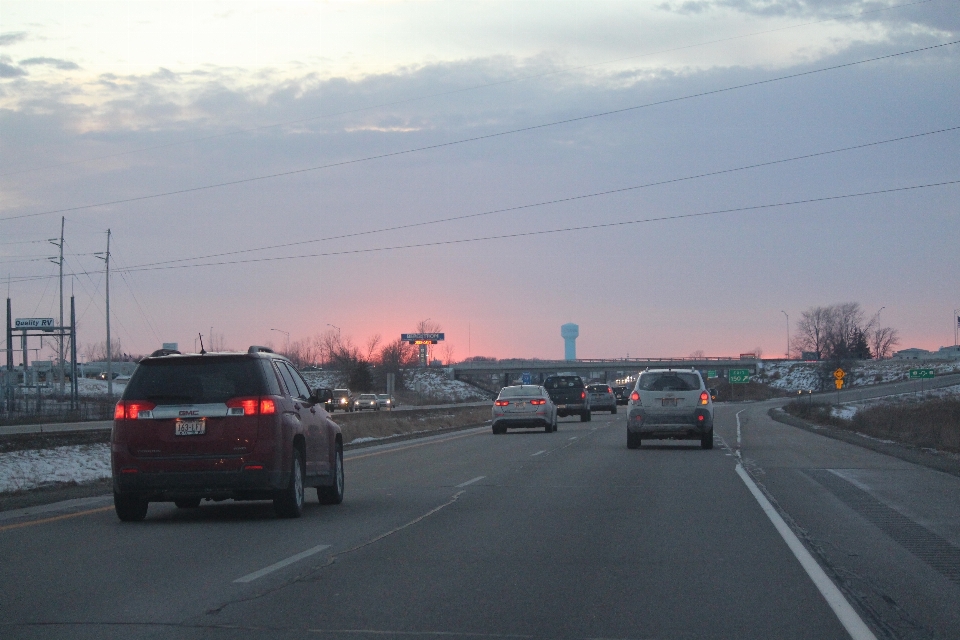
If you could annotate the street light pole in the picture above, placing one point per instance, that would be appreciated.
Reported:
(287, 334)
(788, 331)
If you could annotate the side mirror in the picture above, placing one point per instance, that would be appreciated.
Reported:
(322, 395)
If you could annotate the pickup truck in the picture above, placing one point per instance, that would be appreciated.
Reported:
(569, 394)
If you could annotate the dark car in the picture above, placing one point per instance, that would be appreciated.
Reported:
(342, 399)
(569, 394)
(622, 394)
(218, 426)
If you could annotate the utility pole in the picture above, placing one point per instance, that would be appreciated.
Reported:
(106, 259)
(788, 331)
(60, 350)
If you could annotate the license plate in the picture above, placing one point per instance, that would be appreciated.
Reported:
(669, 402)
(191, 427)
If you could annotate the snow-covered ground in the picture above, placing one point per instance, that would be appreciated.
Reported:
(22, 470)
(432, 383)
(91, 387)
(801, 376)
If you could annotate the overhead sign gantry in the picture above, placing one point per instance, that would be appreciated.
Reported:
(422, 340)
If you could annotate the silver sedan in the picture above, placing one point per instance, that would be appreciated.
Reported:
(524, 406)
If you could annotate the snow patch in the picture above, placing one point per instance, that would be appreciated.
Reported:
(22, 470)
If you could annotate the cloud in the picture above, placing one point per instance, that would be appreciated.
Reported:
(6, 39)
(10, 71)
(63, 65)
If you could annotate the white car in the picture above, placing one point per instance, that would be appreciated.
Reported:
(524, 406)
(670, 404)
(366, 401)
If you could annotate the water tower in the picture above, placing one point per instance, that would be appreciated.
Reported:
(569, 332)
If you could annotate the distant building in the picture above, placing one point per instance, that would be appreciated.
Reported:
(943, 353)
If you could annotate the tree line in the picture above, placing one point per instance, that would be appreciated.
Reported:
(842, 332)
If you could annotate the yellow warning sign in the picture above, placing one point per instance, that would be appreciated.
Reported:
(839, 374)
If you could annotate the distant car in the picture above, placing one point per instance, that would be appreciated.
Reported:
(670, 404)
(342, 399)
(386, 401)
(366, 402)
(713, 394)
(103, 375)
(622, 394)
(569, 394)
(602, 398)
(218, 426)
(524, 406)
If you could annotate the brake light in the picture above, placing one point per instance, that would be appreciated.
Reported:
(251, 406)
(131, 409)
(253, 467)
(538, 401)
(635, 396)
(700, 417)
(704, 397)
(609, 390)
(502, 403)
(583, 394)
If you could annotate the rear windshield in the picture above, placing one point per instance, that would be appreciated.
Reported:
(367, 396)
(668, 381)
(195, 380)
(525, 391)
(564, 382)
(599, 388)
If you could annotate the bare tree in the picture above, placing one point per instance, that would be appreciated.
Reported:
(372, 345)
(699, 353)
(758, 352)
(811, 332)
(882, 341)
(97, 351)
(428, 326)
(217, 342)
(448, 351)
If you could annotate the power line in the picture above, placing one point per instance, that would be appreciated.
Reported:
(466, 89)
(477, 138)
(560, 230)
(556, 200)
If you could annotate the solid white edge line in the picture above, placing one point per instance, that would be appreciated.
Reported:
(852, 622)
(250, 577)
(538, 453)
(468, 482)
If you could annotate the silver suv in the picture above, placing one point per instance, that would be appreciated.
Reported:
(670, 404)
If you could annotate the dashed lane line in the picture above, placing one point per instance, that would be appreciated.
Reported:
(538, 453)
(412, 446)
(250, 577)
(469, 482)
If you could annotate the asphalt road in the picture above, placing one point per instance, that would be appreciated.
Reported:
(561, 535)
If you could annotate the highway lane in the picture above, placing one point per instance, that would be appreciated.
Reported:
(563, 535)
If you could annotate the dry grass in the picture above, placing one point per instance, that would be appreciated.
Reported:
(932, 423)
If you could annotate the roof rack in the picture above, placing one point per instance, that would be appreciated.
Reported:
(164, 352)
(258, 349)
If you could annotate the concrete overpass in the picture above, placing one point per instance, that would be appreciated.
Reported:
(492, 375)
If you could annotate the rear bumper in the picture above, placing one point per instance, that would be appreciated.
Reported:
(167, 486)
(692, 425)
(569, 409)
(526, 422)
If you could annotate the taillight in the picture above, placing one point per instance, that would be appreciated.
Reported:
(704, 397)
(253, 405)
(502, 403)
(609, 390)
(635, 396)
(583, 394)
(131, 409)
(538, 401)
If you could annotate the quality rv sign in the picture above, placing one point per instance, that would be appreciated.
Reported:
(44, 324)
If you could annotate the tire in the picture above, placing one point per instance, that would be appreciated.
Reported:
(613, 411)
(585, 416)
(130, 508)
(497, 431)
(548, 428)
(706, 441)
(633, 440)
(334, 493)
(187, 503)
(555, 425)
(289, 502)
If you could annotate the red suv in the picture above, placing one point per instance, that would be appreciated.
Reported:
(222, 425)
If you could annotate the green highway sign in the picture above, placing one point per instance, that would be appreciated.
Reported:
(711, 374)
(738, 376)
(921, 374)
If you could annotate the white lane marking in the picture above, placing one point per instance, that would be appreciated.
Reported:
(538, 453)
(573, 438)
(250, 577)
(463, 484)
(848, 617)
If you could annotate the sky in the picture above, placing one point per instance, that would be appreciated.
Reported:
(673, 177)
